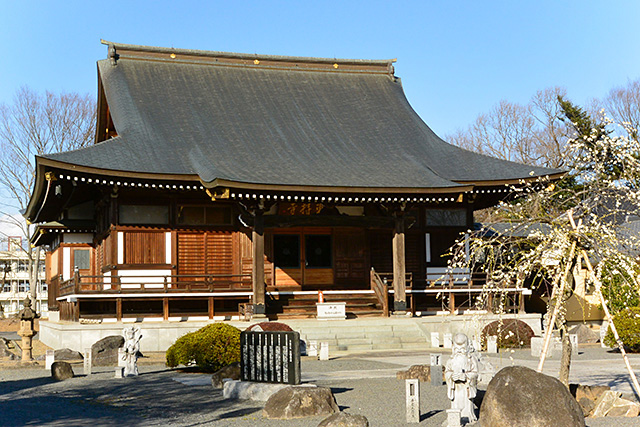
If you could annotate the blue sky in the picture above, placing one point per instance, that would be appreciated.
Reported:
(456, 58)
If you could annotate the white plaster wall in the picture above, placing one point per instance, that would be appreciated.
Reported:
(66, 263)
(77, 238)
(152, 279)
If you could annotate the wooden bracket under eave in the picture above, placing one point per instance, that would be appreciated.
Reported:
(218, 194)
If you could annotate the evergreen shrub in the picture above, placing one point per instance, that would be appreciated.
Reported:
(210, 348)
(511, 333)
(627, 324)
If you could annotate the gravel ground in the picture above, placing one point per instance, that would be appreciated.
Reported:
(361, 385)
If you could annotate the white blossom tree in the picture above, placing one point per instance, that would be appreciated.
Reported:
(579, 218)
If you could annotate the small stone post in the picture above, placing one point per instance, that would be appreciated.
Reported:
(324, 351)
(312, 348)
(435, 339)
(413, 400)
(49, 359)
(27, 331)
(573, 338)
(492, 344)
(87, 361)
(435, 370)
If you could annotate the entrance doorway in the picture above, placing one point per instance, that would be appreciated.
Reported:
(303, 259)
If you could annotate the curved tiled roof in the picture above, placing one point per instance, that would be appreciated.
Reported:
(285, 123)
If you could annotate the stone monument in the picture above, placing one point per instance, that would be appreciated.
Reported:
(27, 315)
(132, 337)
(461, 375)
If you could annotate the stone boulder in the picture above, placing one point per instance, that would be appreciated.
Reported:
(519, 396)
(344, 419)
(612, 404)
(587, 395)
(5, 345)
(105, 351)
(67, 354)
(420, 372)
(231, 371)
(61, 371)
(299, 402)
(585, 334)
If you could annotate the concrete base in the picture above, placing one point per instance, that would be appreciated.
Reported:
(348, 335)
(156, 336)
(246, 390)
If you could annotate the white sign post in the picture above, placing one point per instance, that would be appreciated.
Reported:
(413, 400)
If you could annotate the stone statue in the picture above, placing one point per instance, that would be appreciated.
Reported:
(461, 374)
(132, 337)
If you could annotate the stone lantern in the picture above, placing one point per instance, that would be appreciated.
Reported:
(27, 315)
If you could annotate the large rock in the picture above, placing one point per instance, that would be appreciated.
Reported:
(611, 404)
(231, 371)
(519, 396)
(299, 402)
(67, 354)
(587, 395)
(105, 351)
(344, 419)
(585, 334)
(61, 371)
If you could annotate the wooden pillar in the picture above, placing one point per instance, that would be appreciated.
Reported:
(257, 275)
(211, 309)
(119, 309)
(165, 308)
(399, 270)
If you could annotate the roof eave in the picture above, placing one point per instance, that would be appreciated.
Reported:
(216, 183)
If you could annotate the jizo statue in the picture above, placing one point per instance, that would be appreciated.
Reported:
(461, 374)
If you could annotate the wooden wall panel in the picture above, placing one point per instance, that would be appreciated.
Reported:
(55, 262)
(415, 257)
(318, 276)
(288, 278)
(144, 247)
(191, 253)
(219, 253)
(350, 256)
(381, 253)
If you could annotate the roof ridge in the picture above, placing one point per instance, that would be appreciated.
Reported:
(140, 51)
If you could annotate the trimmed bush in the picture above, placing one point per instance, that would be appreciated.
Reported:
(628, 326)
(270, 327)
(511, 333)
(210, 348)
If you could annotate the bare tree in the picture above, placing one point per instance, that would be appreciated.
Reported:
(623, 104)
(530, 134)
(37, 124)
